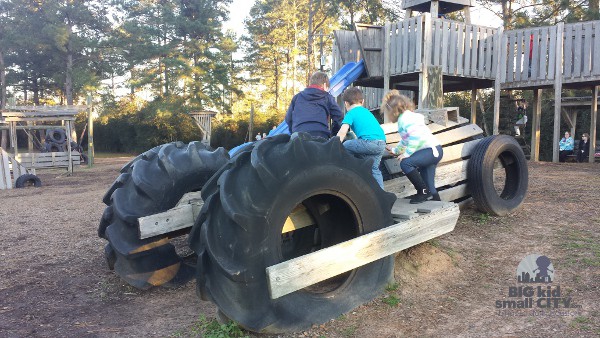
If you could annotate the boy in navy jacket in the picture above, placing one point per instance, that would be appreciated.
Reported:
(312, 108)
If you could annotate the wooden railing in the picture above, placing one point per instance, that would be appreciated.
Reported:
(406, 45)
(462, 49)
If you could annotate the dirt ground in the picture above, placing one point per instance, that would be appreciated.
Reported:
(54, 280)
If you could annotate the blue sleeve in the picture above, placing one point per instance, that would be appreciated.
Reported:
(336, 115)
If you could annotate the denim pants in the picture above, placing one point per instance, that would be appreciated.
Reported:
(423, 161)
(368, 149)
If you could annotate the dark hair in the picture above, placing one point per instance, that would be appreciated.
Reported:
(353, 95)
(319, 79)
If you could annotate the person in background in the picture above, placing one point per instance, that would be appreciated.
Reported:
(264, 135)
(370, 139)
(258, 137)
(418, 150)
(521, 116)
(583, 151)
(565, 147)
(311, 110)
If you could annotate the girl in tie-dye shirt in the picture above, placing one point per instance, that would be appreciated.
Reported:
(418, 150)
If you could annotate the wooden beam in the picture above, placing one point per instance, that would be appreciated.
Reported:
(386, 62)
(455, 192)
(535, 125)
(474, 105)
(574, 123)
(90, 132)
(557, 89)
(567, 118)
(295, 274)
(500, 49)
(5, 180)
(69, 125)
(444, 175)
(593, 122)
(424, 74)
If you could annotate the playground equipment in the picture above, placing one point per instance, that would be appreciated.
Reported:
(291, 231)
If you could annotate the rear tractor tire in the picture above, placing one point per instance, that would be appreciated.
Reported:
(239, 231)
(152, 183)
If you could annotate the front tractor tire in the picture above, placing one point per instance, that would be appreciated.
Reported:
(152, 183)
(239, 231)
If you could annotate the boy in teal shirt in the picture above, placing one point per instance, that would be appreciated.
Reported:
(370, 138)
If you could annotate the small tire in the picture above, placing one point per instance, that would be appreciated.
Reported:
(55, 147)
(239, 231)
(152, 183)
(57, 136)
(480, 175)
(84, 158)
(28, 180)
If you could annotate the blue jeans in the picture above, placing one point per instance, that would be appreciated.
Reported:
(423, 161)
(370, 150)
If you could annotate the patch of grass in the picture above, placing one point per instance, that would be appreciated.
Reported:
(391, 300)
(348, 331)
(392, 287)
(581, 323)
(341, 317)
(206, 328)
(434, 242)
(583, 248)
(483, 218)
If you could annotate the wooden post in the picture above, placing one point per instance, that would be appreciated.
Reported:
(13, 138)
(90, 132)
(593, 122)
(434, 9)
(474, 105)
(30, 136)
(557, 89)
(535, 125)
(467, 11)
(500, 62)
(386, 62)
(424, 74)
(436, 87)
(69, 129)
(573, 123)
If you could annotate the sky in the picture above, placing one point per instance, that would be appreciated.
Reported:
(239, 10)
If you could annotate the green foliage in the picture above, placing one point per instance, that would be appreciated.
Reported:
(391, 300)
(212, 329)
(135, 126)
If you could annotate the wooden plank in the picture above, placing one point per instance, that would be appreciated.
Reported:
(544, 54)
(596, 53)
(525, 72)
(437, 43)
(453, 48)
(474, 46)
(519, 56)
(460, 49)
(419, 47)
(593, 123)
(295, 274)
(490, 43)
(446, 137)
(552, 52)
(5, 180)
(406, 38)
(445, 37)
(454, 193)
(180, 217)
(459, 151)
(481, 53)
(577, 49)
(398, 51)
(402, 209)
(468, 40)
(535, 61)
(502, 60)
(298, 218)
(446, 174)
(567, 52)
(412, 42)
(535, 125)
(587, 50)
(510, 71)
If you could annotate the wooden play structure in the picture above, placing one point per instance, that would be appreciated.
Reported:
(204, 122)
(430, 55)
(31, 119)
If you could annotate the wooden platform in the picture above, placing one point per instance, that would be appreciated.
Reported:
(416, 224)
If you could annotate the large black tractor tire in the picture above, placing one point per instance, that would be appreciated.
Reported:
(56, 135)
(239, 231)
(55, 147)
(504, 153)
(152, 183)
(28, 180)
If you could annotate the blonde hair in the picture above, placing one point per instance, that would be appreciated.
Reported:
(394, 104)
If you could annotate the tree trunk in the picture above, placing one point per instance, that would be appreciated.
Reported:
(69, 76)
(507, 14)
(36, 91)
(309, 51)
(594, 8)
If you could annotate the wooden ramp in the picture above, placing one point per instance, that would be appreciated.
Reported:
(417, 223)
(10, 170)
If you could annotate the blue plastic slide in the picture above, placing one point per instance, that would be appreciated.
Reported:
(337, 84)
